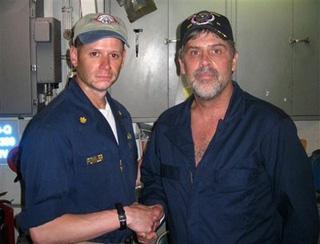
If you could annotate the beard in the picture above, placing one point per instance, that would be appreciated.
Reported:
(207, 89)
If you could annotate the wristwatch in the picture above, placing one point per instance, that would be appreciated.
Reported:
(122, 216)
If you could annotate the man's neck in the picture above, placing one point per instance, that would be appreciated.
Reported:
(205, 117)
(98, 101)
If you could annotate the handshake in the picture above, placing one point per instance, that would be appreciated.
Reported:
(144, 220)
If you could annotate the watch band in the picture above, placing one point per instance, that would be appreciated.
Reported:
(122, 216)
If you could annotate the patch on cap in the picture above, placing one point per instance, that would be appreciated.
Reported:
(202, 18)
(106, 19)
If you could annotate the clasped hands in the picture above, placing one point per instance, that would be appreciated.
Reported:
(144, 220)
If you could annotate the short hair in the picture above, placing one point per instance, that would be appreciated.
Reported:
(77, 42)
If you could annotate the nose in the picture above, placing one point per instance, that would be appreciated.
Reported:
(204, 59)
(105, 63)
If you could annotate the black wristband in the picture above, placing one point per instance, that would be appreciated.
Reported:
(122, 216)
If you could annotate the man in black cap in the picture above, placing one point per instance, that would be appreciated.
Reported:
(226, 167)
(78, 155)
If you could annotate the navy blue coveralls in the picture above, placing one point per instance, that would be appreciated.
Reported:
(253, 184)
(71, 162)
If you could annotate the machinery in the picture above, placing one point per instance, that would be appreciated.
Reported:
(30, 60)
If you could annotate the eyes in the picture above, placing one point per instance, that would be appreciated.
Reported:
(214, 51)
(94, 54)
(113, 55)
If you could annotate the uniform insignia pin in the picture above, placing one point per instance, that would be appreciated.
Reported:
(94, 159)
(83, 120)
(129, 136)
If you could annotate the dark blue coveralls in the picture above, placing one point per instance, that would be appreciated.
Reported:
(71, 162)
(253, 184)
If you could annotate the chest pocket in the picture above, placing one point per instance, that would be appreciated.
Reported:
(95, 164)
(233, 180)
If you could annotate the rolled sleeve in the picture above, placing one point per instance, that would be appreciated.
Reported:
(44, 157)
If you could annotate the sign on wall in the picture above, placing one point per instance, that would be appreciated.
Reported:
(9, 138)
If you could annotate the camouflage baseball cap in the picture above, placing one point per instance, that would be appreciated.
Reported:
(93, 27)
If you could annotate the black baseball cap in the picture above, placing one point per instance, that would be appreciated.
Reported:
(215, 22)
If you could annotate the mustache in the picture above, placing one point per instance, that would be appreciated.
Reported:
(206, 69)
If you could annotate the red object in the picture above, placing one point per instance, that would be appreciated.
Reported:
(8, 222)
(12, 159)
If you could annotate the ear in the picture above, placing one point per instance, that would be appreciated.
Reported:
(74, 56)
(235, 62)
(182, 67)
